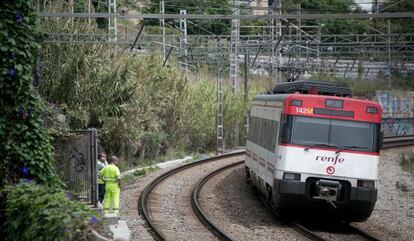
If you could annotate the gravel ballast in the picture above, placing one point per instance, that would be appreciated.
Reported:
(393, 216)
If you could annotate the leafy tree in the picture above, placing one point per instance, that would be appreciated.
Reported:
(194, 7)
(401, 6)
(341, 26)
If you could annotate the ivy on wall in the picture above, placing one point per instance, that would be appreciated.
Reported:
(25, 148)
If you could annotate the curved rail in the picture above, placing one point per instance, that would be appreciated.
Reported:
(143, 200)
(220, 233)
(197, 207)
(389, 142)
(362, 233)
(294, 225)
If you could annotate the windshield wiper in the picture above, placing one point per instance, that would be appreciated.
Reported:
(319, 145)
(351, 147)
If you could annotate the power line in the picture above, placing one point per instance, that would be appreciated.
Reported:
(229, 17)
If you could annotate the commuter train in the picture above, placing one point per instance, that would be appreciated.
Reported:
(313, 152)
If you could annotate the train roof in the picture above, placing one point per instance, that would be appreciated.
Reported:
(314, 87)
(282, 97)
(323, 106)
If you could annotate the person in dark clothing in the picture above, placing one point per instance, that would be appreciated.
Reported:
(101, 184)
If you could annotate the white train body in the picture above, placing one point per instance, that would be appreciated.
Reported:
(315, 152)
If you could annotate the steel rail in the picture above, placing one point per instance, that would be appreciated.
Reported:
(222, 234)
(389, 142)
(197, 207)
(304, 231)
(362, 233)
(294, 225)
(398, 141)
(143, 200)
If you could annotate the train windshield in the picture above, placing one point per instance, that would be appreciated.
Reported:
(338, 134)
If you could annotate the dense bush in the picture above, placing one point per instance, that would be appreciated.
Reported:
(25, 149)
(40, 212)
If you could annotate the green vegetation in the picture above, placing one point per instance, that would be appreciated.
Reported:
(25, 144)
(400, 6)
(138, 173)
(36, 209)
(142, 111)
(407, 161)
(140, 108)
(360, 87)
(194, 7)
(41, 212)
(340, 26)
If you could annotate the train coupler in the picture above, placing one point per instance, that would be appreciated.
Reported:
(328, 190)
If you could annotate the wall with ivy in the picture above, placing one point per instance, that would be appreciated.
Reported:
(25, 149)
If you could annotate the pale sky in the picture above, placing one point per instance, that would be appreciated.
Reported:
(365, 6)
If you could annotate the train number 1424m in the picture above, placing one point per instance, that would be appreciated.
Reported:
(303, 110)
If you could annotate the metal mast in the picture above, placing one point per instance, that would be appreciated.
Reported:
(234, 60)
(112, 27)
(235, 36)
(276, 31)
(219, 110)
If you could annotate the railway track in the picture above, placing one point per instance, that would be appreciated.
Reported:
(152, 206)
(339, 231)
(222, 235)
(197, 206)
(166, 202)
(398, 141)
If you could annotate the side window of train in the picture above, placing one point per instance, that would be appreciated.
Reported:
(251, 129)
(285, 129)
(275, 129)
(265, 133)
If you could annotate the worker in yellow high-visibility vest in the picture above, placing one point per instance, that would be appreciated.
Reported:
(112, 179)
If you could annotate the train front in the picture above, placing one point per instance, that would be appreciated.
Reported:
(328, 155)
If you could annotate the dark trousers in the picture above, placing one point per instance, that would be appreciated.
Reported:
(101, 192)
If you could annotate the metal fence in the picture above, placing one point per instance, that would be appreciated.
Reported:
(75, 161)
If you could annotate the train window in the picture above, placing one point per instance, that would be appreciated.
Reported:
(308, 131)
(286, 129)
(263, 132)
(252, 129)
(372, 110)
(275, 129)
(334, 103)
(354, 135)
(296, 102)
(350, 135)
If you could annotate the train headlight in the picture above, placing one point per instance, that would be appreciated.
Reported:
(366, 184)
(291, 176)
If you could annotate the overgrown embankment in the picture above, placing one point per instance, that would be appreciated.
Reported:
(140, 108)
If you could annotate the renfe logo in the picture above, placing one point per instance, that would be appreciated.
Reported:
(334, 160)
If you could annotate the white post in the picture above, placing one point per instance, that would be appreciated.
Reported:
(112, 27)
(162, 22)
(183, 41)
